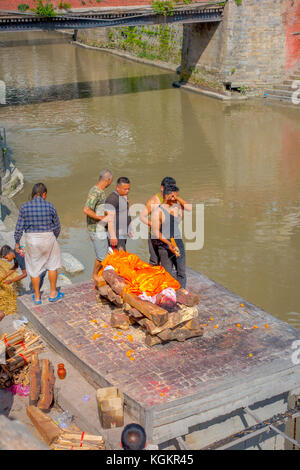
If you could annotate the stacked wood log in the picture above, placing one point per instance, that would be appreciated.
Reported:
(160, 324)
(63, 439)
(20, 348)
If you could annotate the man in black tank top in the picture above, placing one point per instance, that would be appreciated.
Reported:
(165, 224)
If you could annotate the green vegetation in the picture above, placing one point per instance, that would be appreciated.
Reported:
(23, 7)
(150, 42)
(46, 9)
(64, 6)
(238, 2)
(163, 7)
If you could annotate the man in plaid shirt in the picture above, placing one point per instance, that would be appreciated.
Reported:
(37, 215)
(39, 220)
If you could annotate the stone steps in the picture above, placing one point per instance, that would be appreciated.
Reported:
(283, 91)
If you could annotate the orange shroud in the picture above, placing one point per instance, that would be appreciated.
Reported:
(140, 276)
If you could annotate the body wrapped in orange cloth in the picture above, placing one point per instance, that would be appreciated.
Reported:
(141, 277)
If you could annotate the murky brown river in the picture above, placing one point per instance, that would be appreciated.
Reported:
(72, 112)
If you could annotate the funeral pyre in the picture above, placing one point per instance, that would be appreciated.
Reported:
(150, 297)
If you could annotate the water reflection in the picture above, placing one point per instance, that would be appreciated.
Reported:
(87, 110)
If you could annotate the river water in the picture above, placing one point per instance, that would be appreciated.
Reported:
(71, 112)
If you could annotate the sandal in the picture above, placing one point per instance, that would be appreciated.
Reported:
(36, 302)
(59, 296)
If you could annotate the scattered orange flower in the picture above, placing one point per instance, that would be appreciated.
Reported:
(216, 326)
(242, 305)
(96, 335)
(131, 358)
(238, 325)
(116, 337)
(267, 325)
(211, 319)
(119, 333)
(255, 326)
(250, 355)
(162, 394)
(94, 321)
(129, 352)
(105, 326)
(130, 338)
(205, 324)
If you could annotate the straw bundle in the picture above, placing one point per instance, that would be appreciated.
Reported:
(8, 293)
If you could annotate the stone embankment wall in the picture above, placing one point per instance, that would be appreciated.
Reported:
(251, 48)
(159, 42)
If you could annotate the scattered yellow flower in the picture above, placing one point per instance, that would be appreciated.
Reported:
(129, 352)
(250, 355)
(211, 319)
(131, 358)
(94, 321)
(105, 326)
(119, 333)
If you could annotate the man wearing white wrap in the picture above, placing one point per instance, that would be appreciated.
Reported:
(39, 220)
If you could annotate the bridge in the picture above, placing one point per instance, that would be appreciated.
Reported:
(196, 13)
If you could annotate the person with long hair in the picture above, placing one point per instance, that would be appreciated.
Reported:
(39, 221)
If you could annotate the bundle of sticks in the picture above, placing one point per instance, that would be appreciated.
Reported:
(63, 439)
(161, 323)
(20, 348)
(78, 440)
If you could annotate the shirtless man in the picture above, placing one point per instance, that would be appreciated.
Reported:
(165, 224)
(145, 216)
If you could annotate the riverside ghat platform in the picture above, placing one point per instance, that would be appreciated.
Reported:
(172, 388)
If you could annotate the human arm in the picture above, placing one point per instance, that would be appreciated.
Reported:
(185, 206)
(111, 205)
(16, 279)
(19, 227)
(92, 214)
(90, 206)
(144, 216)
(56, 223)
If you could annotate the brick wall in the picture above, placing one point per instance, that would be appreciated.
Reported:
(292, 21)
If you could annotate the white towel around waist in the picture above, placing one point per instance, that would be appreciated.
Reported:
(42, 253)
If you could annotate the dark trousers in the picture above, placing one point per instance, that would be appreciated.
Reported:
(169, 261)
(153, 251)
(122, 243)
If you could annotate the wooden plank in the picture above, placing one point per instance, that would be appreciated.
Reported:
(44, 424)
(34, 380)
(47, 385)
(116, 282)
(153, 312)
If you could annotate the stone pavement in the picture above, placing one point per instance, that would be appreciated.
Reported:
(236, 344)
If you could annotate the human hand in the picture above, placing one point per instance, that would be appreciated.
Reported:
(7, 282)
(113, 242)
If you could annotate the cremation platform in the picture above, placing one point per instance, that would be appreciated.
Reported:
(244, 357)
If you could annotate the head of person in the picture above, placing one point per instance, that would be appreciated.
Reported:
(39, 189)
(170, 193)
(105, 178)
(133, 437)
(7, 253)
(123, 186)
(166, 182)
